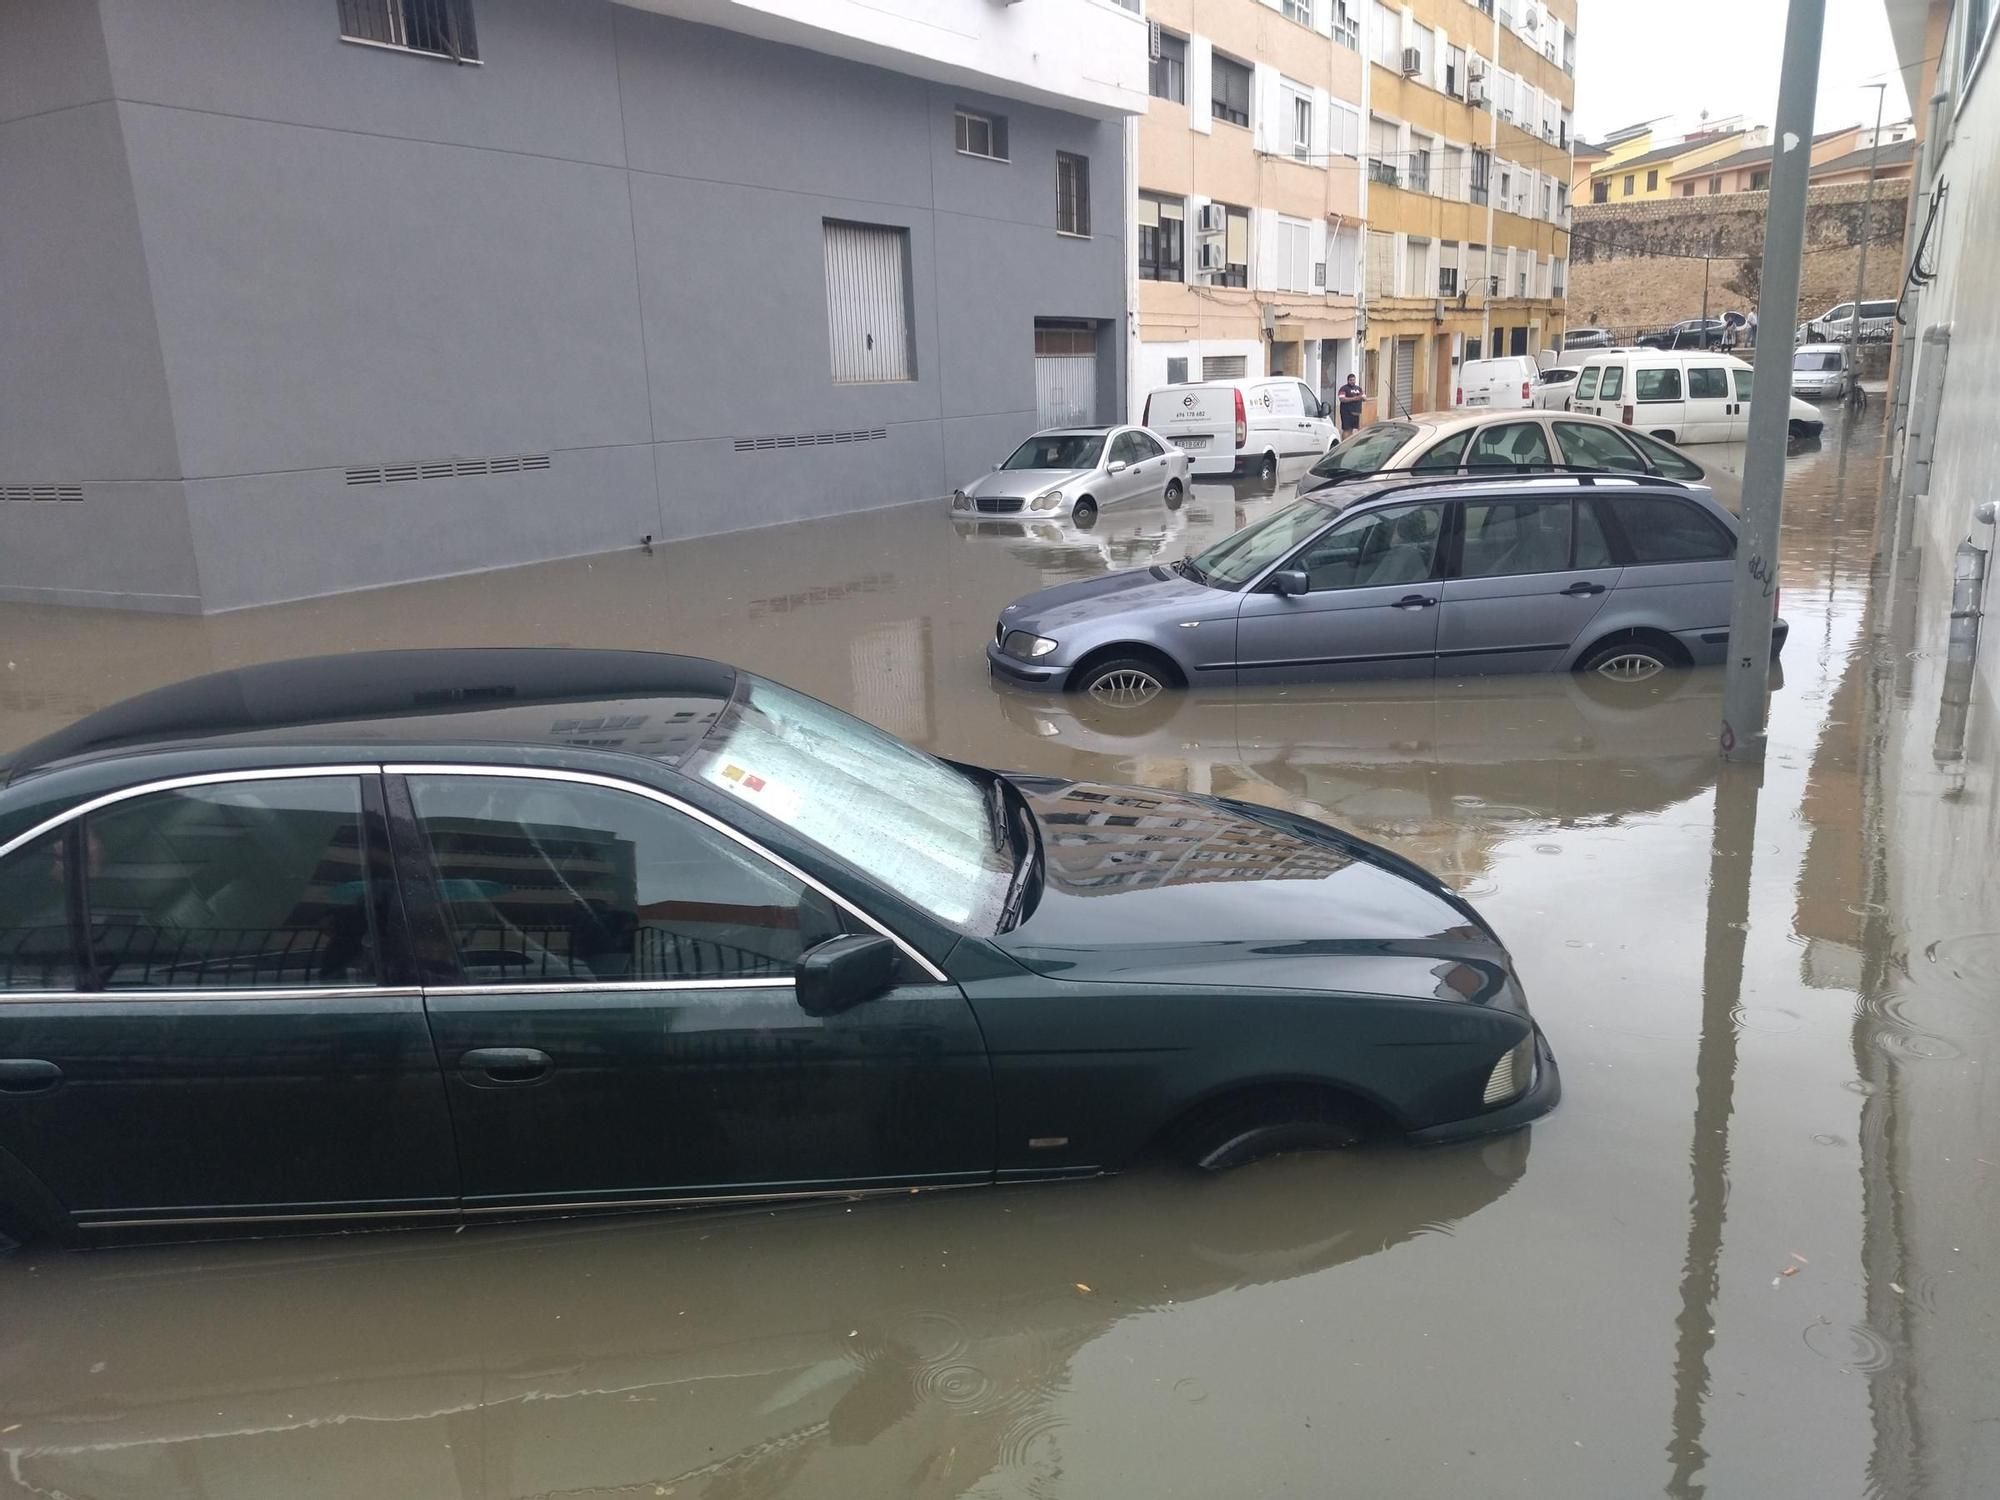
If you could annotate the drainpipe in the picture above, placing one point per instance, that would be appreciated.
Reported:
(1133, 394)
(1492, 156)
(1968, 589)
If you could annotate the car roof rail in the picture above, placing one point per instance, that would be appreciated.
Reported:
(1401, 481)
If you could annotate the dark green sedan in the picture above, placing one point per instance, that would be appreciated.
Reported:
(439, 935)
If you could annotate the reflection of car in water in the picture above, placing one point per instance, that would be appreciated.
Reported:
(810, 1353)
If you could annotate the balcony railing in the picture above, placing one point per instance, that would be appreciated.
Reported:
(1383, 172)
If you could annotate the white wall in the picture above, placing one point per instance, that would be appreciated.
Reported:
(1080, 56)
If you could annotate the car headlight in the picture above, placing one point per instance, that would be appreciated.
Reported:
(960, 500)
(1049, 501)
(1027, 646)
(1511, 1075)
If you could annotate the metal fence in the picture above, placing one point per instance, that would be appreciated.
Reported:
(440, 26)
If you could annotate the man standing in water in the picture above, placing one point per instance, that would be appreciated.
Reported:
(1350, 397)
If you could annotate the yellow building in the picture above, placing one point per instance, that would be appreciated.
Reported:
(1249, 237)
(1651, 174)
(1469, 171)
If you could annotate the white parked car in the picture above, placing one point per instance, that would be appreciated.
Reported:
(1242, 426)
(1822, 372)
(1503, 384)
(1076, 472)
(1878, 321)
(1682, 395)
(1553, 388)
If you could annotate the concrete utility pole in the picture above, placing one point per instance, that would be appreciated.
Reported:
(1867, 233)
(1746, 687)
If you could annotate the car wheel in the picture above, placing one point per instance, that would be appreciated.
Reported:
(1125, 683)
(1268, 469)
(1627, 661)
(1239, 1130)
(1085, 514)
(1175, 490)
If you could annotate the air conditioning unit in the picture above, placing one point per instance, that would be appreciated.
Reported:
(1413, 62)
(1210, 219)
(1211, 255)
(1475, 90)
(1153, 40)
(1437, 311)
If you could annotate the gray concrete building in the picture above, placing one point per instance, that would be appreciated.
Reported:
(299, 296)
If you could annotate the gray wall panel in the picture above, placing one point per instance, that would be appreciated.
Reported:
(51, 57)
(707, 486)
(124, 545)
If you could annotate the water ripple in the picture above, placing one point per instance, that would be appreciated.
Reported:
(1851, 1346)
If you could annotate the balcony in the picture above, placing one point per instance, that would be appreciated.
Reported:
(1383, 172)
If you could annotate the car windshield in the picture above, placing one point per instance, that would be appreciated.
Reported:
(916, 825)
(1235, 560)
(1366, 452)
(1057, 450)
(1816, 362)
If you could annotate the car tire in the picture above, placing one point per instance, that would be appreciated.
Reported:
(1242, 1128)
(1085, 513)
(1267, 469)
(1123, 684)
(1627, 662)
(1176, 491)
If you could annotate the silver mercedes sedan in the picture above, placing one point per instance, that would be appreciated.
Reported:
(1078, 471)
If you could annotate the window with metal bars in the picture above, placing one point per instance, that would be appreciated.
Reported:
(442, 28)
(1072, 194)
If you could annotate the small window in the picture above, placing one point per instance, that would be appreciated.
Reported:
(1516, 445)
(247, 885)
(1072, 194)
(551, 882)
(1759, 181)
(1600, 190)
(1707, 383)
(1300, 10)
(1223, 366)
(1177, 368)
(1236, 247)
(38, 949)
(1168, 76)
(1614, 383)
(1586, 444)
(1687, 190)
(1715, 184)
(1504, 538)
(1448, 454)
(1395, 545)
(1302, 127)
(1628, 184)
(1661, 529)
(1657, 385)
(1670, 463)
(440, 27)
(1653, 180)
(1162, 238)
(1229, 90)
(981, 135)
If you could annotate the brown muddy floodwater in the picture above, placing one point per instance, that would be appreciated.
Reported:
(1752, 1253)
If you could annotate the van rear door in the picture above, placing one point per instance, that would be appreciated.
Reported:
(1200, 419)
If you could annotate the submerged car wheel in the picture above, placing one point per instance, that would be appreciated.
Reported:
(1124, 682)
(1268, 469)
(1085, 514)
(1175, 490)
(1240, 1129)
(1627, 661)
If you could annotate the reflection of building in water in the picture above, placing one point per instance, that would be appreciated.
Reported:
(506, 886)
(1141, 841)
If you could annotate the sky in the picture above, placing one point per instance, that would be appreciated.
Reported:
(1636, 59)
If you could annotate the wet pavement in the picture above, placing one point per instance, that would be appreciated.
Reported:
(1752, 1253)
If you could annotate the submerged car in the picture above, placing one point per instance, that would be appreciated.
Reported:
(1402, 576)
(1075, 472)
(436, 936)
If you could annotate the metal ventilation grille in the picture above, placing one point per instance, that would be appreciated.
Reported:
(447, 468)
(810, 439)
(41, 492)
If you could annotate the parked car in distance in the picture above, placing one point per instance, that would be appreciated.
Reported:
(1242, 426)
(1680, 395)
(442, 936)
(1835, 325)
(1587, 338)
(1690, 333)
(1076, 472)
(1452, 442)
(1503, 384)
(1401, 576)
(1553, 386)
(1822, 372)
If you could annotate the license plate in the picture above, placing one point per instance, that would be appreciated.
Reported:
(1193, 442)
(1475, 400)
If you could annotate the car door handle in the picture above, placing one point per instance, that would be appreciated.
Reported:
(506, 1065)
(1583, 590)
(1415, 601)
(27, 1075)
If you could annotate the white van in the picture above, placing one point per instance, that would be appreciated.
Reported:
(1878, 321)
(1241, 426)
(1822, 372)
(1503, 384)
(1682, 395)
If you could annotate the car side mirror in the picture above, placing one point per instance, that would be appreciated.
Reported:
(1117, 466)
(1290, 581)
(1325, 410)
(842, 972)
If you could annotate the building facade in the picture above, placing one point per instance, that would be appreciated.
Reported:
(1838, 156)
(1248, 231)
(310, 295)
(1651, 173)
(1469, 132)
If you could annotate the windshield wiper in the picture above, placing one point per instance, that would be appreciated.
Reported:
(1022, 880)
(1189, 569)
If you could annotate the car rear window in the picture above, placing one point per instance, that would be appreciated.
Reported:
(1587, 445)
(1815, 362)
(1614, 383)
(1658, 385)
(1447, 454)
(1586, 383)
(1878, 309)
(1662, 529)
(1669, 461)
(1366, 452)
